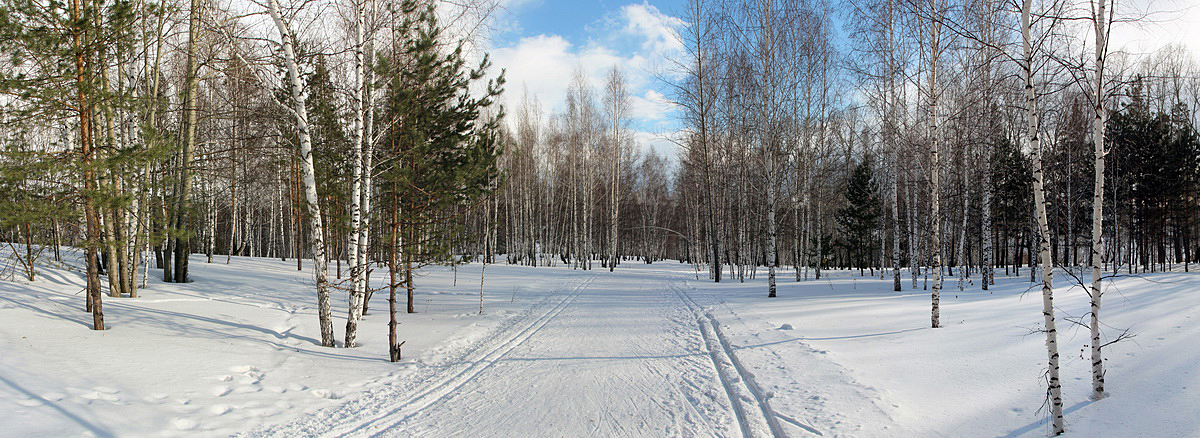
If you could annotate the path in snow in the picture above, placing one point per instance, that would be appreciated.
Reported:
(628, 355)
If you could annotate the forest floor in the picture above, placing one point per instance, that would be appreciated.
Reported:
(648, 350)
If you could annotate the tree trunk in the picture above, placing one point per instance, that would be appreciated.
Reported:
(182, 244)
(1054, 391)
(91, 216)
(1101, 29)
(393, 345)
(316, 230)
(355, 243)
(935, 244)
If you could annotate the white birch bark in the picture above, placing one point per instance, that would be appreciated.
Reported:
(617, 100)
(769, 144)
(316, 228)
(356, 142)
(1054, 390)
(935, 165)
(893, 138)
(1101, 23)
(364, 233)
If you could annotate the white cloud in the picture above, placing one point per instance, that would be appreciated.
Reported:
(634, 39)
(655, 28)
(651, 106)
(665, 145)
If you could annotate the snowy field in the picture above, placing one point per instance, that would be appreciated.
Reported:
(649, 350)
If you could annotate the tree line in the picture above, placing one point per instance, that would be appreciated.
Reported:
(144, 132)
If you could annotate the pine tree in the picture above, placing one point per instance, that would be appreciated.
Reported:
(442, 145)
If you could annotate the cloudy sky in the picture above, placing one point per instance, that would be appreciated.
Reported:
(543, 43)
(1147, 25)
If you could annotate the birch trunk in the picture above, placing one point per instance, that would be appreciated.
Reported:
(315, 229)
(936, 168)
(354, 244)
(1054, 390)
(1101, 30)
(769, 142)
(364, 234)
(893, 137)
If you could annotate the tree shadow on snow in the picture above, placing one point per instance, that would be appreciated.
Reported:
(73, 313)
(94, 429)
(1044, 421)
(174, 321)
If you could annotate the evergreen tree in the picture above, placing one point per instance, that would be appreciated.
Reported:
(1155, 161)
(859, 220)
(331, 154)
(442, 144)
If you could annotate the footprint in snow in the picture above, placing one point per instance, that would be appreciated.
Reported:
(184, 424)
(221, 391)
(248, 389)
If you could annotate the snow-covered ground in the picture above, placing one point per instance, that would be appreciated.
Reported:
(649, 350)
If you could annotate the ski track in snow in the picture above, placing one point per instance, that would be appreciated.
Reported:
(602, 370)
(734, 377)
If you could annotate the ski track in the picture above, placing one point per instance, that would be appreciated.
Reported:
(440, 391)
(606, 371)
(375, 406)
(734, 377)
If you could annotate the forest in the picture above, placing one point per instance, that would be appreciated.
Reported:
(935, 143)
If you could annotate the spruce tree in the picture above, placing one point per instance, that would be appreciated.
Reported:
(859, 220)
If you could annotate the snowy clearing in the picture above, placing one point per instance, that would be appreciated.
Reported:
(648, 350)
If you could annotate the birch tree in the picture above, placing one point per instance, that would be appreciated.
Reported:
(698, 100)
(1101, 21)
(299, 111)
(616, 102)
(359, 192)
(1032, 134)
(932, 38)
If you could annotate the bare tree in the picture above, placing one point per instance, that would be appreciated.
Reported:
(1101, 21)
(616, 102)
(299, 111)
(1032, 134)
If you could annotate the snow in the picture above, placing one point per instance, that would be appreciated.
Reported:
(648, 350)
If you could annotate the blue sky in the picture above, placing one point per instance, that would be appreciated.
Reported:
(542, 43)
